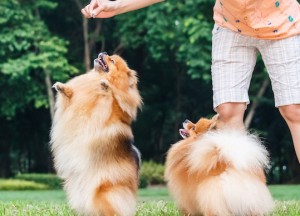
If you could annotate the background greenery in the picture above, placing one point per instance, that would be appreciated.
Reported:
(168, 44)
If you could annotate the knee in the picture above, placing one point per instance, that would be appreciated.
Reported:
(232, 114)
(229, 111)
(291, 113)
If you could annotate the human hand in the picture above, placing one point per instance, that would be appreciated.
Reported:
(101, 9)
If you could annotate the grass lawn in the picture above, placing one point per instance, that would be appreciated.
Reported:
(154, 201)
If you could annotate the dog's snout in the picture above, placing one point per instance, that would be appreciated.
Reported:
(102, 54)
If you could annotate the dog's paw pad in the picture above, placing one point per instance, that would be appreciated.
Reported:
(104, 84)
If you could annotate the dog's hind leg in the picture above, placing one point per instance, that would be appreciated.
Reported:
(103, 207)
(114, 200)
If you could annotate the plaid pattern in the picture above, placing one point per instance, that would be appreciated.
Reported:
(233, 60)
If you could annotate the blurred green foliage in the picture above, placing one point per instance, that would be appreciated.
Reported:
(28, 50)
(52, 181)
(168, 44)
(13, 184)
(152, 172)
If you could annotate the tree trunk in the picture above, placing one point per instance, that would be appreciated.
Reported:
(50, 94)
(178, 104)
(252, 110)
(85, 29)
(95, 34)
(119, 49)
(87, 59)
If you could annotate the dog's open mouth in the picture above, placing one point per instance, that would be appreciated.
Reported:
(100, 62)
(184, 133)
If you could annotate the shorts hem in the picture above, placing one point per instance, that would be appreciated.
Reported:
(277, 105)
(287, 98)
(230, 96)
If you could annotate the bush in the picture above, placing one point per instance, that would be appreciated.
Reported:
(14, 184)
(51, 180)
(143, 182)
(153, 172)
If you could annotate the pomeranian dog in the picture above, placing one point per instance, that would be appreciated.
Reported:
(92, 140)
(218, 172)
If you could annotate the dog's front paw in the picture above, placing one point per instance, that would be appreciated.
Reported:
(63, 89)
(104, 84)
(58, 86)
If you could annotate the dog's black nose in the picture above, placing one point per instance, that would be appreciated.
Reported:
(102, 54)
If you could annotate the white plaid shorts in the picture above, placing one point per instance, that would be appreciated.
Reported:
(233, 60)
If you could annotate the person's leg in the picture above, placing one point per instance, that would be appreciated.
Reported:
(282, 60)
(231, 115)
(291, 114)
(233, 60)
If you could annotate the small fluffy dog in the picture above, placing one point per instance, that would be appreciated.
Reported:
(218, 172)
(91, 138)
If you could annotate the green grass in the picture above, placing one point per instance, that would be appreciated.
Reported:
(54, 196)
(154, 201)
(153, 194)
(286, 208)
(285, 192)
(27, 208)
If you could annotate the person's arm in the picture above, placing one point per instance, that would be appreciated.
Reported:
(106, 8)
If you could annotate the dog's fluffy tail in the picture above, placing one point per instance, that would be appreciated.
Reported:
(231, 148)
(234, 164)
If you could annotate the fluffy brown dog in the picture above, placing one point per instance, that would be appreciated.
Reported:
(91, 138)
(218, 172)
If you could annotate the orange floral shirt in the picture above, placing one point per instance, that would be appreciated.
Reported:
(265, 19)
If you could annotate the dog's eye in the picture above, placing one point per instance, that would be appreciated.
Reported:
(193, 128)
(112, 61)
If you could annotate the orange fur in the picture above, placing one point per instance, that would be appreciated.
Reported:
(91, 139)
(190, 187)
(106, 207)
(203, 125)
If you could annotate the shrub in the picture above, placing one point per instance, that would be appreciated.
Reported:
(143, 182)
(51, 180)
(153, 172)
(14, 184)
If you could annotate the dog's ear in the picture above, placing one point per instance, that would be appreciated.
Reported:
(187, 124)
(63, 89)
(214, 122)
(132, 78)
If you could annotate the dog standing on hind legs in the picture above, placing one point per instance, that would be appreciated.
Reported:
(92, 140)
(218, 172)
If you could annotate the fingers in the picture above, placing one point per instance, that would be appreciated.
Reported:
(99, 9)
(85, 12)
(104, 14)
(92, 5)
(102, 6)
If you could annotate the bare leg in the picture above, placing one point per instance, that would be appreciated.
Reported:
(231, 115)
(291, 114)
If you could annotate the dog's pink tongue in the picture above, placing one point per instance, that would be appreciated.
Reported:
(184, 133)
